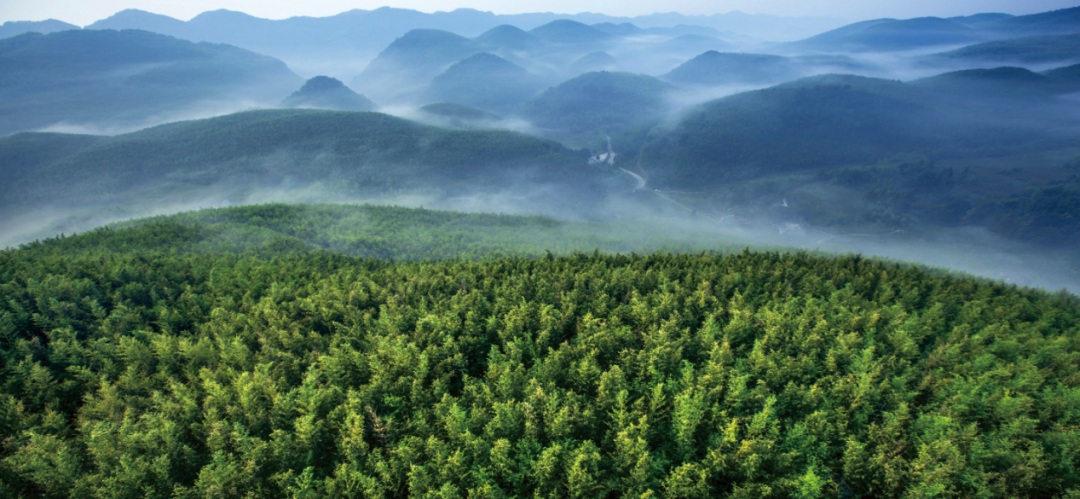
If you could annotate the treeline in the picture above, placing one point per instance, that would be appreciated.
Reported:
(155, 374)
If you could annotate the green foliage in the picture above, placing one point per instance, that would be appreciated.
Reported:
(1047, 216)
(132, 370)
(25, 152)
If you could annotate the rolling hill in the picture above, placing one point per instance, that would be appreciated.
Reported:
(145, 21)
(24, 153)
(716, 68)
(323, 92)
(846, 154)
(592, 62)
(838, 120)
(977, 19)
(725, 68)
(341, 44)
(128, 79)
(1001, 84)
(890, 35)
(1026, 50)
(14, 28)
(599, 102)
(620, 30)
(347, 154)
(1055, 22)
(567, 32)
(387, 232)
(511, 38)
(1066, 76)
(404, 69)
(993, 34)
(485, 81)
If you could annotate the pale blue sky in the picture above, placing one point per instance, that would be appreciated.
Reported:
(83, 12)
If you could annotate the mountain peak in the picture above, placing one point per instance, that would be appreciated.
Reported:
(568, 31)
(324, 92)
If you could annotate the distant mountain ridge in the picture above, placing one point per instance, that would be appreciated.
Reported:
(15, 28)
(472, 22)
(307, 44)
(885, 35)
(726, 68)
(1055, 22)
(552, 53)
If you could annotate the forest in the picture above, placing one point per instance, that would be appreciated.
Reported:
(136, 364)
(707, 256)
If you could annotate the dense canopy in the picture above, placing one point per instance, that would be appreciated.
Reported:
(156, 373)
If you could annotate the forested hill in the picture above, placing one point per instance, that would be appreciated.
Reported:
(156, 373)
(386, 232)
(599, 102)
(1031, 49)
(351, 153)
(127, 79)
(843, 120)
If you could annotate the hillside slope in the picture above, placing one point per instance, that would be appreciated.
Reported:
(485, 81)
(1055, 22)
(127, 79)
(406, 66)
(838, 120)
(889, 35)
(323, 92)
(386, 232)
(150, 373)
(351, 152)
(716, 68)
(1025, 50)
(599, 102)
(15, 28)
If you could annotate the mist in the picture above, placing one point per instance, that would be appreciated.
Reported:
(972, 250)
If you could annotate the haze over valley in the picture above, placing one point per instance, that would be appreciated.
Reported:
(815, 250)
(948, 141)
